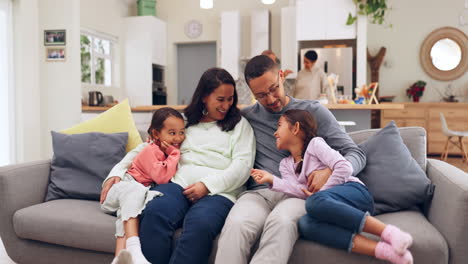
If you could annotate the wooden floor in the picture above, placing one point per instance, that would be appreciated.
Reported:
(455, 161)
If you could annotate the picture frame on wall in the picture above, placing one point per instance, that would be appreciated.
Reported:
(55, 54)
(55, 37)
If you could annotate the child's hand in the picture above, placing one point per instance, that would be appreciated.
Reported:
(261, 176)
(164, 146)
(306, 192)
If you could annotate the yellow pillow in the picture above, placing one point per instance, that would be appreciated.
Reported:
(115, 120)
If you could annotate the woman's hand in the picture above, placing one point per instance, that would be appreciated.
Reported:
(107, 185)
(196, 191)
(317, 179)
(261, 176)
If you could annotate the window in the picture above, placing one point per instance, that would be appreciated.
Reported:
(96, 59)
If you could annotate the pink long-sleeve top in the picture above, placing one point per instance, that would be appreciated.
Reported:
(152, 165)
(318, 156)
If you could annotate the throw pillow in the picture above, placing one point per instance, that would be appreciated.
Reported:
(81, 162)
(115, 120)
(394, 178)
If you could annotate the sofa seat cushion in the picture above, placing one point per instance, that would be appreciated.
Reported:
(429, 246)
(74, 223)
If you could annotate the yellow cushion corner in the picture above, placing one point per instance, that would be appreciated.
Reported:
(117, 119)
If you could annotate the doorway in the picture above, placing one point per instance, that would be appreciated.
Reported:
(192, 60)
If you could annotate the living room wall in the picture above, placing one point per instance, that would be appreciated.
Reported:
(412, 21)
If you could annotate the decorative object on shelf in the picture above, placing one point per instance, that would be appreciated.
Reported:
(55, 37)
(374, 63)
(206, 4)
(146, 7)
(374, 9)
(449, 95)
(386, 99)
(55, 54)
(193, 29)
(332, 83)
(371, 91)
(444, 54)
(416, 90)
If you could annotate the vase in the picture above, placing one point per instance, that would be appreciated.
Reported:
(415, 99)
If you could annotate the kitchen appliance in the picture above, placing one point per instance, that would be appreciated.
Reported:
(108, 99)
(95, 98)
(159, 89)
(338, 61)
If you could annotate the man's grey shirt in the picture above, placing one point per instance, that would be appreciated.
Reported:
(264, 124)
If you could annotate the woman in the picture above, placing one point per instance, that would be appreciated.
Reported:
(216, 158)
(312, 80)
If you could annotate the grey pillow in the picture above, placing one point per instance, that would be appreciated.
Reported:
(392, 175)
(81, 162)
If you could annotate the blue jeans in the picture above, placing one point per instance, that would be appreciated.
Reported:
(201, 223)
(335, 215)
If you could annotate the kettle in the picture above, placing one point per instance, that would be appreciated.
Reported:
(95, 98)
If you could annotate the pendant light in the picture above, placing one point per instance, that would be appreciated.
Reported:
(206, 4)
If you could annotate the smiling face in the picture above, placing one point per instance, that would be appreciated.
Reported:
(173, 131)
(218, 103)
(284, 134)
(268, 89)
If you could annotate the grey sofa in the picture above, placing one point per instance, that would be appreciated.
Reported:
(76, 231)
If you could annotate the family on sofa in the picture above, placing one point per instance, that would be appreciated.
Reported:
(192, 175)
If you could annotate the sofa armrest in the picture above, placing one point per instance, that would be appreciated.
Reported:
(449, 208)
(21, 185)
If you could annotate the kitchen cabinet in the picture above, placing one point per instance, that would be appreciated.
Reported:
(145, 44)
(230, 42)
(289, 49)
(426, 115)
(324, 20)
(260, 31)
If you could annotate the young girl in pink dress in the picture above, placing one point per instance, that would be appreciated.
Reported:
(341, 210)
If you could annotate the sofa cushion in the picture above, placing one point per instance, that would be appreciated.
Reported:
(429, 246)
(81, 163)
(394, 178)
(74, 223)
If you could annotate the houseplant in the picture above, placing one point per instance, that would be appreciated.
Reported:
(374, 9)
(416, 90)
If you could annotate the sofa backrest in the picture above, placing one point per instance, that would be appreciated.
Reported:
(413, 137)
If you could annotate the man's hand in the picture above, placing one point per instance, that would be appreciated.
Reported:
(107, 185)
(317, 179)
(261, 176)
(196, 191)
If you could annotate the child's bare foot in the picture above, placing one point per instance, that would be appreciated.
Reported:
(387, 252)
(399, 239)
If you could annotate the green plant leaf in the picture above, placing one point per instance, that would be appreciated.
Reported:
(351, 19)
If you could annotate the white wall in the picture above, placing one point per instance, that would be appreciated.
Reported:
(60, 81)
(106, 16)
(27, 86)
(178, 12)
(412, 22)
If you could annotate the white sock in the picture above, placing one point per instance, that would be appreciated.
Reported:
(134, 247)
(124, 257)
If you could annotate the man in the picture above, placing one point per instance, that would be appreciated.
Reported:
(311, 81)
(260, 212)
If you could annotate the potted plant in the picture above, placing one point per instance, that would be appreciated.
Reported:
(416, 90)
(374, 9)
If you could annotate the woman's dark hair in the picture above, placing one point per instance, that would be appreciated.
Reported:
(307, 125)
(159, 116)
(257, 66)
(311, 55)
(209, 81)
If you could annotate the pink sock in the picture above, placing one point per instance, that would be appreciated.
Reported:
(386, 252)
(399, 240)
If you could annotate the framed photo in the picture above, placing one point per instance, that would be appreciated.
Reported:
(55, 37)
(55, 54)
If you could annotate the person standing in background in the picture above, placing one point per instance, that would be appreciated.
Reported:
(311, 80)
(272, 56)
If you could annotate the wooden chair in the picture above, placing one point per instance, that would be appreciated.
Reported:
(450, 133)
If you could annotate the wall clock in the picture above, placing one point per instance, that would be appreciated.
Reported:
(193, 29)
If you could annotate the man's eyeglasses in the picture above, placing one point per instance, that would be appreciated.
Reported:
(271, 91)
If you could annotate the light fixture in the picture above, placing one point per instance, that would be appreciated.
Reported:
(206, 4)
(268, 2)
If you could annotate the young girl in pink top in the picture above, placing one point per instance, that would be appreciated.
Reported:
(155, 163)
(341, 210)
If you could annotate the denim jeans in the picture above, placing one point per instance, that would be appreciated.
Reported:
(201, 223)
(335, 215)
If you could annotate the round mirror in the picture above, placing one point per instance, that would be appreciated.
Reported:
(446, 54)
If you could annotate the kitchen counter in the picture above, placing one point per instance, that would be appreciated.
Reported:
(150, 108)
